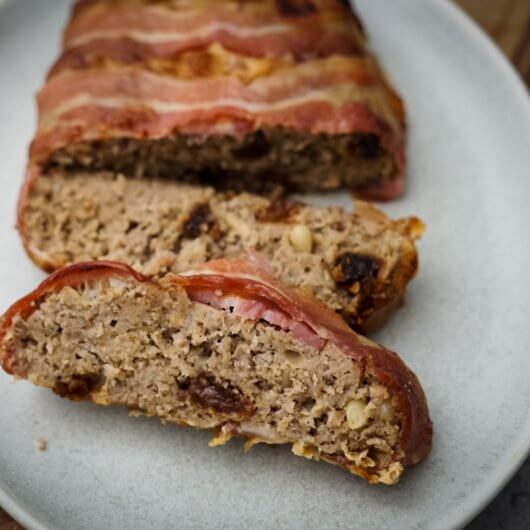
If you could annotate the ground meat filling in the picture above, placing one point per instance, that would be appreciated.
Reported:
(160, 354)
(156, 226)
(261, 161)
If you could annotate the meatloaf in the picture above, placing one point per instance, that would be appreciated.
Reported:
(359, 264)
(223, 347)
(258, 95)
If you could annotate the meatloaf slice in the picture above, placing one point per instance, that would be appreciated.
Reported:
(224, 347)
(358, 264)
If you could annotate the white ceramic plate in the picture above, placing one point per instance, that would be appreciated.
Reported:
(465, 328)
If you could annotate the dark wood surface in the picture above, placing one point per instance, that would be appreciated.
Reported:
(508, 23)
(6, 523)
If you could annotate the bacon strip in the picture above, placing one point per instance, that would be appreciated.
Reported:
(258, 309)
(254, 294)
(126, 49)
(331, 96)
(354, 75)
(258, 31)
(97, 123)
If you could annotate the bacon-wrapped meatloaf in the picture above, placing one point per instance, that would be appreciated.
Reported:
(222, 347)
(247, 93)
(256, 95)
(359, 264)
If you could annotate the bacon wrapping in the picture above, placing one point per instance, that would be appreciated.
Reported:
(276, 92)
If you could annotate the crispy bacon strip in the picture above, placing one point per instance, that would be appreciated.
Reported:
(329, 96)
(271, 29)
(99, 122)
(254, 294)
(284, 82)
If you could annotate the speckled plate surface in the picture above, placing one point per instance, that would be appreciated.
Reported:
(465, 328)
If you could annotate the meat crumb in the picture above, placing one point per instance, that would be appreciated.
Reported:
(42, 444)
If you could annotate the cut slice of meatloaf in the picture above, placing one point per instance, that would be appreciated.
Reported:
(223, 347)
(255, 95)
(359, 264)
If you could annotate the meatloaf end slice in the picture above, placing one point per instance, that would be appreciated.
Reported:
(276, 99)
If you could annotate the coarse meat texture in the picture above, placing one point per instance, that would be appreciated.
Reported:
(268, 162)
(222, 347)
(358, 264)
(279, 95)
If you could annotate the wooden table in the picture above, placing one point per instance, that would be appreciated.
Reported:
(508, 23)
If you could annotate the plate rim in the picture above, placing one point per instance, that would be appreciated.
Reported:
(481, 496)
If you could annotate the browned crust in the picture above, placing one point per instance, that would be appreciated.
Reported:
(386, 296)
(38, 258)
(389, 295)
